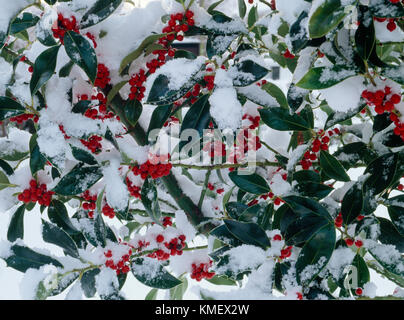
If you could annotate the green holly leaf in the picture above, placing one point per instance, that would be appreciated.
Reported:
(16, 226)
(101, 10)
(10, 108)
(332, 167)
(281, 119)
(78, 180)
(80, 51)
(44, 68)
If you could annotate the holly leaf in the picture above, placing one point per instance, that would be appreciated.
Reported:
(55, 235)
(248, 233)
(44, 68)
(252, 183)
(80, 51)
(101, 10)
(281, 119)
(152, 274)
(16, 226)
(23, 258)
(78, 180)
(10, 108)
(332, 167)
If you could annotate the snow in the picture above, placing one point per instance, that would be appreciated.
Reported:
(75, 293)
(184, 226)
(106, 282)
(17, 141)
(340, 259)
(243, 258)
(178, 71)
(5, 249)
(9, 9)
(225, 108)
(350, 100)
(291, 9)
(5, 75)
(116, 190)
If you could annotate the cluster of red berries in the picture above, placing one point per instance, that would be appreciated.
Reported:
(358, 243)
(255, 121)
(137, 87)
(261, 83)
(134, 191)
(277, 201)
(173, 29)
(122, 266)
(320, 143)
(167, 221)
(63, 25)
(174, 32)
(108, 211)
(174, 246)
(385, 101)
(209, 79)
(339, 220)
(201, 271)
(100, 113)
(211, 187)
(24, 117)
(93, 144)
(288, 55)
(391, 25)
(155, 171)
(286, 252)
(103, 78)
(36, 193)
(193, 93)
(90, 203)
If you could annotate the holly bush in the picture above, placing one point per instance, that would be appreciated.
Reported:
(143, 159)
